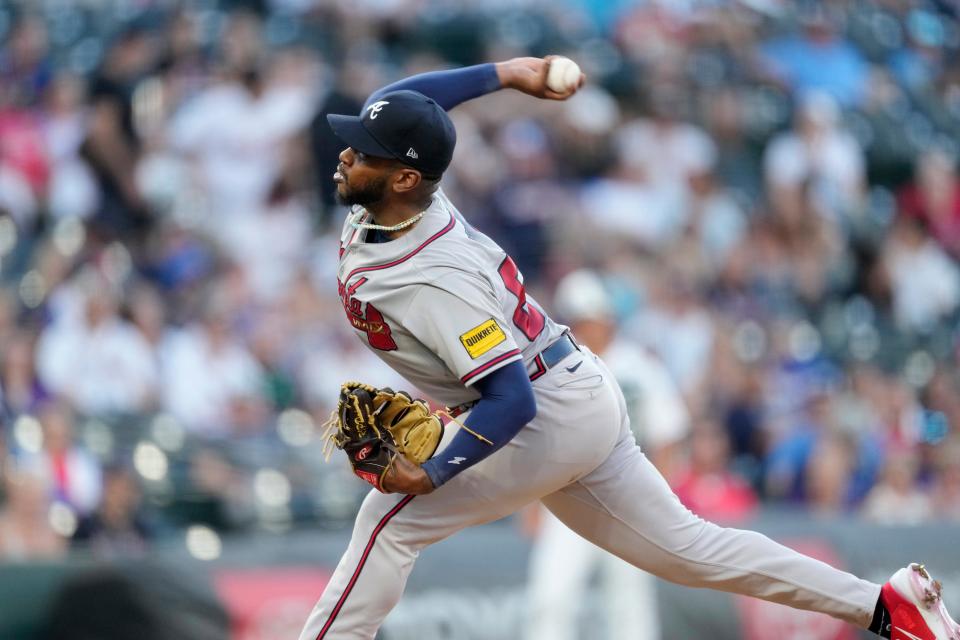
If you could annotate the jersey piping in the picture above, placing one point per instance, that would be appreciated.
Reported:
(505, 356)
(406, 257)
(363, 561)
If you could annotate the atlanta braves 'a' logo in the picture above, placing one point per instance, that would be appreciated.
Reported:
(376, 108)
(366, 318)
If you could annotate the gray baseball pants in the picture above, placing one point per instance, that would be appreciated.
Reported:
(579, 458)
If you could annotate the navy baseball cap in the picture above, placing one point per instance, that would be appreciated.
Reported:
(404, 125)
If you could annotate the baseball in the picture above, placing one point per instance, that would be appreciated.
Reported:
(563, 76)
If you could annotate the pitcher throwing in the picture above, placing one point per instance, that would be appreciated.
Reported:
(446, 308)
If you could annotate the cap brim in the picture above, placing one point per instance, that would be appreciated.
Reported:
(350, 129)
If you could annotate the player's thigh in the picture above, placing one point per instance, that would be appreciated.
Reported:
(486, 492)
(576, 427)
(497, 486)
(626, 507)
(580, 413)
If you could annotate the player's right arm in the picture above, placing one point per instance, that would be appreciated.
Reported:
(455, 86)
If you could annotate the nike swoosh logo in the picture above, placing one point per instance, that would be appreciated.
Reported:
(574, 367)
(908, 634)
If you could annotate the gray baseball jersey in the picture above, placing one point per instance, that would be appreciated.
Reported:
(443, 305)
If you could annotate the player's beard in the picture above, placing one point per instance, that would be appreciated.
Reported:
(372, 191)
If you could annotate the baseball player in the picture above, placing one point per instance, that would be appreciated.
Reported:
(445, 307)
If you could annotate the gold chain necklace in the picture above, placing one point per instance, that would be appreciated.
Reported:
(356, 224)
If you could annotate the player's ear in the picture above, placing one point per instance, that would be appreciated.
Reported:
(406, 180)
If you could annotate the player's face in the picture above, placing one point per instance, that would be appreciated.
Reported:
(361, 179)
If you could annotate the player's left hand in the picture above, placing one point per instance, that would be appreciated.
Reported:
(529, 75)
(406, 477)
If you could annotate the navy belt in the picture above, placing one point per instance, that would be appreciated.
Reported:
(552, 355)
(542, 362)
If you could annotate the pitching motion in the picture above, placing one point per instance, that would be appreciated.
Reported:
(542, 418)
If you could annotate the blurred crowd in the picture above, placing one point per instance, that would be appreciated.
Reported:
(758, 198)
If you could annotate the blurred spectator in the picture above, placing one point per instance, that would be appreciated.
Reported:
(707, 487)
(924, 281)
(235, 132)
(242, 45)
(664, 149)
(73, 188)
(897, 499)
(25, 531)
(585, 133)
(211, 382)
(816, 462)
(677, 327)
(20, 388)
(658, 416)
(819, 57)
(222, 496)
(941, 395)
(716, 224)
(631, 207)
(83, 357)
(24, 165)
(725, 118)
(25, 65)
(806, 249)
(147, 312)
(74, 475)
(9, 310)
(270, 243)
(817, 155)
(827, 475)
(526, 194)
(644, 194)
(920, 61)
(118, 526)
(739, 403)
(112, 144)
(934, 198)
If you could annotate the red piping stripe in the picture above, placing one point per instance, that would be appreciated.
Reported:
(484, 367)
(541, 368)
(363, 559)
(446, 229)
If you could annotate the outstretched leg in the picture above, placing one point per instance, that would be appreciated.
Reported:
(626, 507)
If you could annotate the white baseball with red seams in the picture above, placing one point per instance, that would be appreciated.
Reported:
(444, 306)
(563, 75)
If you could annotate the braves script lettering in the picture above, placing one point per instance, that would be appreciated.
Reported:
(366, 318)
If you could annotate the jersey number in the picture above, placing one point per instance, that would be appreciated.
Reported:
(527, 318)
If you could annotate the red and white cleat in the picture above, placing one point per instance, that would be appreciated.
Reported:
(916, 608)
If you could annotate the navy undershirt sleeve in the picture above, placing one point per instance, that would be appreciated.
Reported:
(447, 88)
(506, 404)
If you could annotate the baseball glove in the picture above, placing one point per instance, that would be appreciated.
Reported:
(374, 425)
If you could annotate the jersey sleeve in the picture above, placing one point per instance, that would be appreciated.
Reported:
(462, 323)
(448, 87)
